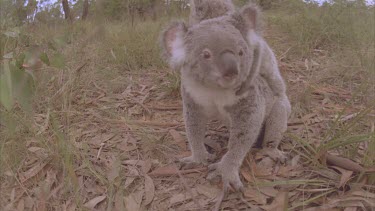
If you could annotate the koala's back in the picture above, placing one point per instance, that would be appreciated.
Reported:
(270, 71)
(207, 9)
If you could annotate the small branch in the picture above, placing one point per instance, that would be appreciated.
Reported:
(156, 124)
(344, 163)
(165, 108)
(175, 171)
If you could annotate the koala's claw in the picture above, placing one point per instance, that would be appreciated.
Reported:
(275, 154)
(194, 159)
(229, 176)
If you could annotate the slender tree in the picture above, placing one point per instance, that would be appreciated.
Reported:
(85, 10)
(66, 9)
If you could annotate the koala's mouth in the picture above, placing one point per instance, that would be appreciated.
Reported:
(227, 81)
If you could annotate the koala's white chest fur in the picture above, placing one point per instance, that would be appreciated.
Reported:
(212, 100)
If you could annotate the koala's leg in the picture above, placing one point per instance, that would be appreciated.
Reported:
(275, 126)
(246, 122)
(195, 123)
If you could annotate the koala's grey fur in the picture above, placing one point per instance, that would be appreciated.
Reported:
(206, 9)
(221, 61)
(201, 10)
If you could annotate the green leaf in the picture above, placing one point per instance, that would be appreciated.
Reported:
(6, 98)
(45, 59)
(23, 87)
(5, 94)
(57, 61)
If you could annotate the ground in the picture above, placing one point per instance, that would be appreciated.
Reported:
(116, 141)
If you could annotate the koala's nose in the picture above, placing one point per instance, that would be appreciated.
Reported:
(229, 67)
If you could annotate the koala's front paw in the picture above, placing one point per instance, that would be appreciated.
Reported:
(229, 175)
(275, 154)
(198, 158)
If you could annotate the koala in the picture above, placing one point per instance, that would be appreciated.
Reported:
(206, 9)
(220, 61)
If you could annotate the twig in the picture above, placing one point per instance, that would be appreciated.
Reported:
(100, 150)
(348, 117)
(98, 87)
(151, 123)
(171, 173)
(344, 163)
(165, 108)
(138, 122)
(282, 56)
(80, 67)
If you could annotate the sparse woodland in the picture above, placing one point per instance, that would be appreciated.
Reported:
(91, 116)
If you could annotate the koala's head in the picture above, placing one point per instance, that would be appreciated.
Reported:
(206, 9)
(218, 52)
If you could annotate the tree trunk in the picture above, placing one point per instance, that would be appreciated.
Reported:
(153, 10)
(31, 9)
(132, 13)
(169, 7)
(85, 10)
(66, 9)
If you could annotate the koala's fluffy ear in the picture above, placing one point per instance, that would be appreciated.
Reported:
(251, 15)
(248, 19)
(172, 43)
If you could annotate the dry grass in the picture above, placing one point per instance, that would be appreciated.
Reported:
(106, 126)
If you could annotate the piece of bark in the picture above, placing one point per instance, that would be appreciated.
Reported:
(344, 163)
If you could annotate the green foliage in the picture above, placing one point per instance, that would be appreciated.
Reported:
(57, 61)
(341, 37)
(17, 84)
(49, 15)
(114, 9)
(6, 98)
(69, 102)
(133, 47)
(44, 58)
(339, 26)
(344, 32)
(20, 59)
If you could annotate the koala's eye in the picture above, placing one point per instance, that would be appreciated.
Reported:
(206, 54)
(240, 53)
